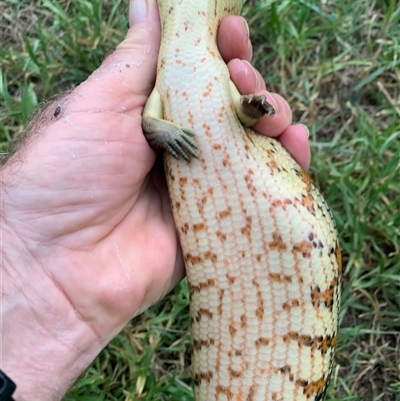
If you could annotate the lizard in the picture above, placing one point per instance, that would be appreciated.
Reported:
(260, 246)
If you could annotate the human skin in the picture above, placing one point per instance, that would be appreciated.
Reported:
(85, 206)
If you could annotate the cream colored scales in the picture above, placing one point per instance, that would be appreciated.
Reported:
(260, 246)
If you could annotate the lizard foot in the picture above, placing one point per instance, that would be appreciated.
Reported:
(256, 106)
(163, 135)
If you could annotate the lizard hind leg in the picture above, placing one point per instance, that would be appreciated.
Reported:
(249, 108)
(164, 135)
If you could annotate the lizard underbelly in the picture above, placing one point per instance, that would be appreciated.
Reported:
(259, 243)
(262, 261)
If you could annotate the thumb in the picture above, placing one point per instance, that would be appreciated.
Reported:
(125, 79)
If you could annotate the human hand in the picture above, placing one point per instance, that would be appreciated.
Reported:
(89, 236)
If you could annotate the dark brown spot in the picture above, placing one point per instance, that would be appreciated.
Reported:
(203, 312)
(326, 297)
(226, 162)
(277, 203)
(185, 228)
(313, 388)
(304, 248)
(275, 276)
(260, 314)
(234, 373)
(225, 213)
(285, 369)
(290, 304)
(221, 236)
(221, 293)
(223, 390)
(193, 259)
(302, 382)
(202, 376)
(262, 342)
(207, 284)
(277, 242)
(199, 227)
(198, 344)
(252, 392)
(231, 280)
(211, 256)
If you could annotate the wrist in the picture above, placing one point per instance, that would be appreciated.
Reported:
(45, 344)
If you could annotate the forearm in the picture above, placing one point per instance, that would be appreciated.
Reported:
(45, 345)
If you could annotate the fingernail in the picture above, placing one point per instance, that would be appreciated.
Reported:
(247, 26)
(246, 67)
(306, 129)
(137, 11)
(249, 45)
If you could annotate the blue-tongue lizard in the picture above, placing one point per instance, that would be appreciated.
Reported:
(259, 242)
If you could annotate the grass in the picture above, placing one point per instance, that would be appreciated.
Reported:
(338, 65)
